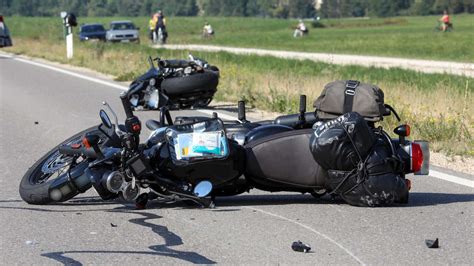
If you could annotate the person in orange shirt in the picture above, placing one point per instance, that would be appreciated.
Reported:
(444, 21)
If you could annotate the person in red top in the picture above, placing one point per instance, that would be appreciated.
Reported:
(444, 21)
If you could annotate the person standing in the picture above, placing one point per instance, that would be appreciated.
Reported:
(161, 26)
(151, 26)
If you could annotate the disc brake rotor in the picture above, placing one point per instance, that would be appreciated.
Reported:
(55, 163)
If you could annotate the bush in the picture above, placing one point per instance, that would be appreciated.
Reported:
(317, 24)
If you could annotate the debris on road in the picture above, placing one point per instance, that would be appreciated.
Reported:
(300, 247)
(432, 243)
(36, 122)
(31, 242)
(113, 225)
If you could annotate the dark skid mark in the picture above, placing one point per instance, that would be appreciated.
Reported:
(59, 257)
(171, 239)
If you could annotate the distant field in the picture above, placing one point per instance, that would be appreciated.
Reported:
(410, 37)
(439, 107)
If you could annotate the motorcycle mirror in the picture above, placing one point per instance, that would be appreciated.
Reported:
(150, 61)
(202, 189)
(105, 119)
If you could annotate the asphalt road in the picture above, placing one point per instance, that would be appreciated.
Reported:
(41, 107)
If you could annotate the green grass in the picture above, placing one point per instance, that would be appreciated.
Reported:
(409, 37)
(438, 106)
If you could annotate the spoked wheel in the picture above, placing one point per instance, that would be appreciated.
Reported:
(34, 186)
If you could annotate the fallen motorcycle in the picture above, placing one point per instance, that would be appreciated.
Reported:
(177, 84)
(199, 158)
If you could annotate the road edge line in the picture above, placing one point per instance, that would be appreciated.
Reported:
(452, 178)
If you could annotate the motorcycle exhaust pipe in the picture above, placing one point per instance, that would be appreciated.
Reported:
(70, 184)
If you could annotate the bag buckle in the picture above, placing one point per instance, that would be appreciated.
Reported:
(352, 84)
(350, 92)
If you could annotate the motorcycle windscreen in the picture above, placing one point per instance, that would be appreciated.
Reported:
(284, 158)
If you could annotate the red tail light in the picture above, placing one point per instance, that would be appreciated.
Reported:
(416, 155)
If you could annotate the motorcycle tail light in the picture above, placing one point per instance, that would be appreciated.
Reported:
(416, 155)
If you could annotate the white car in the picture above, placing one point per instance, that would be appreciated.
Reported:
(122, 31)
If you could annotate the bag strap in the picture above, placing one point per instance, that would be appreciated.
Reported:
(349, 93)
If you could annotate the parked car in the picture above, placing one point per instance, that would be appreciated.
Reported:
(92, 31)
(122, 31)
(5, 39)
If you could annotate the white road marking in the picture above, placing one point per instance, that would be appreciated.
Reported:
(312, 230)
(433, 173)
(96, 80)
(220, 115)
(451, 178)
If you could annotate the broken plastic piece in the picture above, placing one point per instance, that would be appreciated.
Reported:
(300, 247)
(432, 243)
(113, 225)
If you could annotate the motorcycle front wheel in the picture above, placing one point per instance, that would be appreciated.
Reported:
(35, 184)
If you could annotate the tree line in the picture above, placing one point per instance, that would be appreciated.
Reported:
(241, 8)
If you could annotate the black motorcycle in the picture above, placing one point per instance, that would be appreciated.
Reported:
(200, 158)
(177, 84)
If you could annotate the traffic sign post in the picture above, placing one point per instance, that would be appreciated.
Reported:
(69, 21)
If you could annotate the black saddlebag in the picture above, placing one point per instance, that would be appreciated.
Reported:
(284, 160)
(335, 144)
(377, 182)
(362, 166)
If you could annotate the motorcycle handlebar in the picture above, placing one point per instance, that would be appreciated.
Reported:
(126, 105)
(175, 63)
(88, 152)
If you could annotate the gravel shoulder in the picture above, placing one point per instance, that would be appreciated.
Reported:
(424, 66)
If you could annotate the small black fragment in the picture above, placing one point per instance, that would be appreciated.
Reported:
(300, 247)
(432, 243)
(36, 122)
(113, 225)
(78, 213)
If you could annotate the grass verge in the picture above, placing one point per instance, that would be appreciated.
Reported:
(439, 107)
(407, 37)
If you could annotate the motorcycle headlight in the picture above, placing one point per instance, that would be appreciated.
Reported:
(152, 82)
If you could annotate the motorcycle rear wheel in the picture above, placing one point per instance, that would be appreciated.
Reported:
(34, 186)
